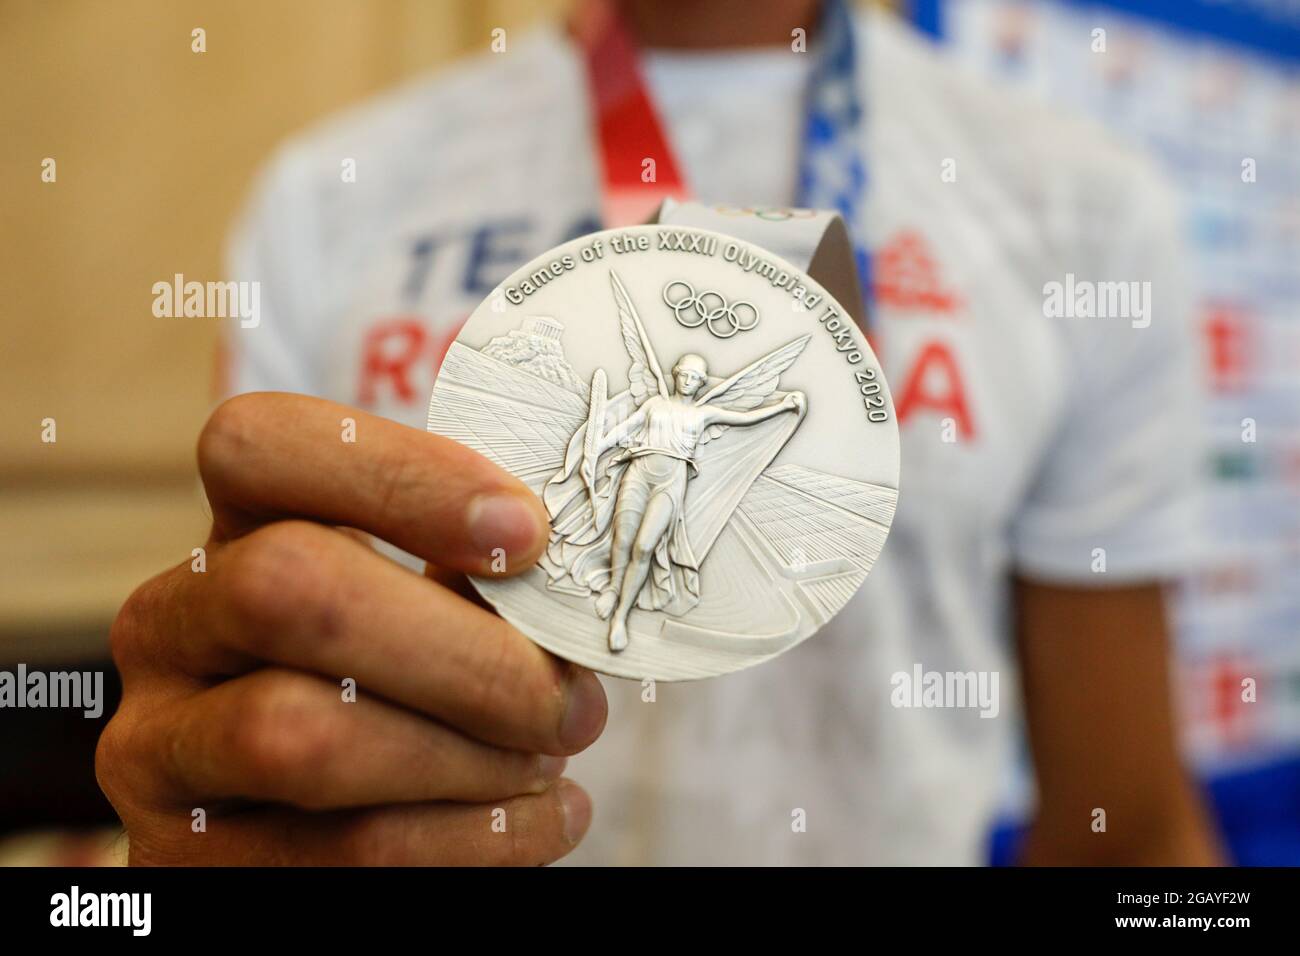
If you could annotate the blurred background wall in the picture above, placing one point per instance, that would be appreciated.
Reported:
(153, 147)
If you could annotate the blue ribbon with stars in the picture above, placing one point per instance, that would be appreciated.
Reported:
(832, 169)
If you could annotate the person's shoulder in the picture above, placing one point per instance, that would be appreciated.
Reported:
(439, 117)
(1026, 141)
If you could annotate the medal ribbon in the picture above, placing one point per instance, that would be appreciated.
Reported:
(628, 131)
(832, 170)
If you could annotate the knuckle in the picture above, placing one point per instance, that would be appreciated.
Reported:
(133, 622)
(281, 574)
(278, 739)
(227, 435)
(122, 633)
(253, 583)
(119, 767)
(108, 760)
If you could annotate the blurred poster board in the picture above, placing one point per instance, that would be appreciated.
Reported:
(1211, 88)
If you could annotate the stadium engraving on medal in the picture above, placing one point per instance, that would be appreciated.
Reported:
(706, 513)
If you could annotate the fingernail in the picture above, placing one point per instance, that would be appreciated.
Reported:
(502, 521)
(577, 810)
(585, 714)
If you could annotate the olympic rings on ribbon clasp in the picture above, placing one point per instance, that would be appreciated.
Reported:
(769, 213)
(710, 309)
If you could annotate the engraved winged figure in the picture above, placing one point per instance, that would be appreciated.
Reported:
(619, 505)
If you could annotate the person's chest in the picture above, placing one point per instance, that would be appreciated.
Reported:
(977, 374)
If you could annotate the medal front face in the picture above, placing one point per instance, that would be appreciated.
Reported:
(712, 437)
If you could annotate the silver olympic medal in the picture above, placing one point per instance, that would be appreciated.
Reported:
(711, 435)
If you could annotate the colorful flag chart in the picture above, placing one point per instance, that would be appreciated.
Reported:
(1211, 90)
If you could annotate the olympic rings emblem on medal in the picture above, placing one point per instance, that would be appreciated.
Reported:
(709, 309)
(768, 213)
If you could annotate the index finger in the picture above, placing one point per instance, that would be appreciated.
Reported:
(270, 455)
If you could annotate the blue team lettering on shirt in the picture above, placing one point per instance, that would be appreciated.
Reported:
(401, 351)
(492, 251)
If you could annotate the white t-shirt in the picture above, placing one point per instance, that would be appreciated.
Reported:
(1028, 442)
(721, 110)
